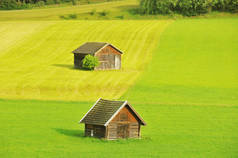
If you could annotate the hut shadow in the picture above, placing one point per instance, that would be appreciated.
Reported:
(69, 66)
(70, 132)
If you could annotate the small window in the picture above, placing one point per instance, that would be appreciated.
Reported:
(123, 117)
(91, 133)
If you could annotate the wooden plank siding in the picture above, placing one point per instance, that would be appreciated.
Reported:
(124, 125)
(110, 119)
(107, 58)
(78, 60)
(108, 55)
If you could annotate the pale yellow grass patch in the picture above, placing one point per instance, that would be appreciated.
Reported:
(41, 67)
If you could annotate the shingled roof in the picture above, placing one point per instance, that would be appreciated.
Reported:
(92, 47)
(104, 111)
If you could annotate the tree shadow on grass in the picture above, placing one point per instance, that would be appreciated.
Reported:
(70, 132)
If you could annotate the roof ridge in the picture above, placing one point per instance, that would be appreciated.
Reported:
(103, 111)
(114, 100)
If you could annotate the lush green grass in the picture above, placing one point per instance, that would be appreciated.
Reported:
(188, 97)
(40, 66)
(50, 129)
(196, 63)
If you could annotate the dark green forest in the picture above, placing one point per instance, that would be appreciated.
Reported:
(29, 4)
(187, 7)
(184, 7)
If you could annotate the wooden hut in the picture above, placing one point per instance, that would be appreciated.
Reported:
(112, 120)
(109, 56)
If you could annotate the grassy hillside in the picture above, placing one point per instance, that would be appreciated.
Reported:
(38, 64)
(189, 105)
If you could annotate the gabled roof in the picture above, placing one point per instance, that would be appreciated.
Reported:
(103, 111)
(92, 47)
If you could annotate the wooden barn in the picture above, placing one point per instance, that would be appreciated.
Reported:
(112, 120)
(109, 56)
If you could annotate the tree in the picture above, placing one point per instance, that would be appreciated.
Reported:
(90, 62)
(8, 4)
(74, 2)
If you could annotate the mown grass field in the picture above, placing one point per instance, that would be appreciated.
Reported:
(40, 66)
(187, 95)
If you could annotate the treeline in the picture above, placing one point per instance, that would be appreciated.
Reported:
(187, 7)
(24, 4)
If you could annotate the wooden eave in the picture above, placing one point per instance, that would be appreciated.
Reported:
(133, 110)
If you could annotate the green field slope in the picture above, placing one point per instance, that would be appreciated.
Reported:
(38, 63)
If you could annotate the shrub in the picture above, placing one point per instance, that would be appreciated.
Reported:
(62, 17)
(149, 6)
(8, 4)
(74, 2)
(48, 2)
(90, 62)
(40, 3)
(166, 6)
(120, 17)
(57, 1)
(193, 7)
(68, 17)
(65, 0)
(93, 12)
(103, 13)
(72, 16)
(226, 5)
(24, 5)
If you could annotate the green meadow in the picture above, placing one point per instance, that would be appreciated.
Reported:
(180, 75)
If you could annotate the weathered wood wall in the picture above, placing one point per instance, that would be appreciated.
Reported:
(124, 125)
(78, 58)
(95, 131)
(109, 58)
